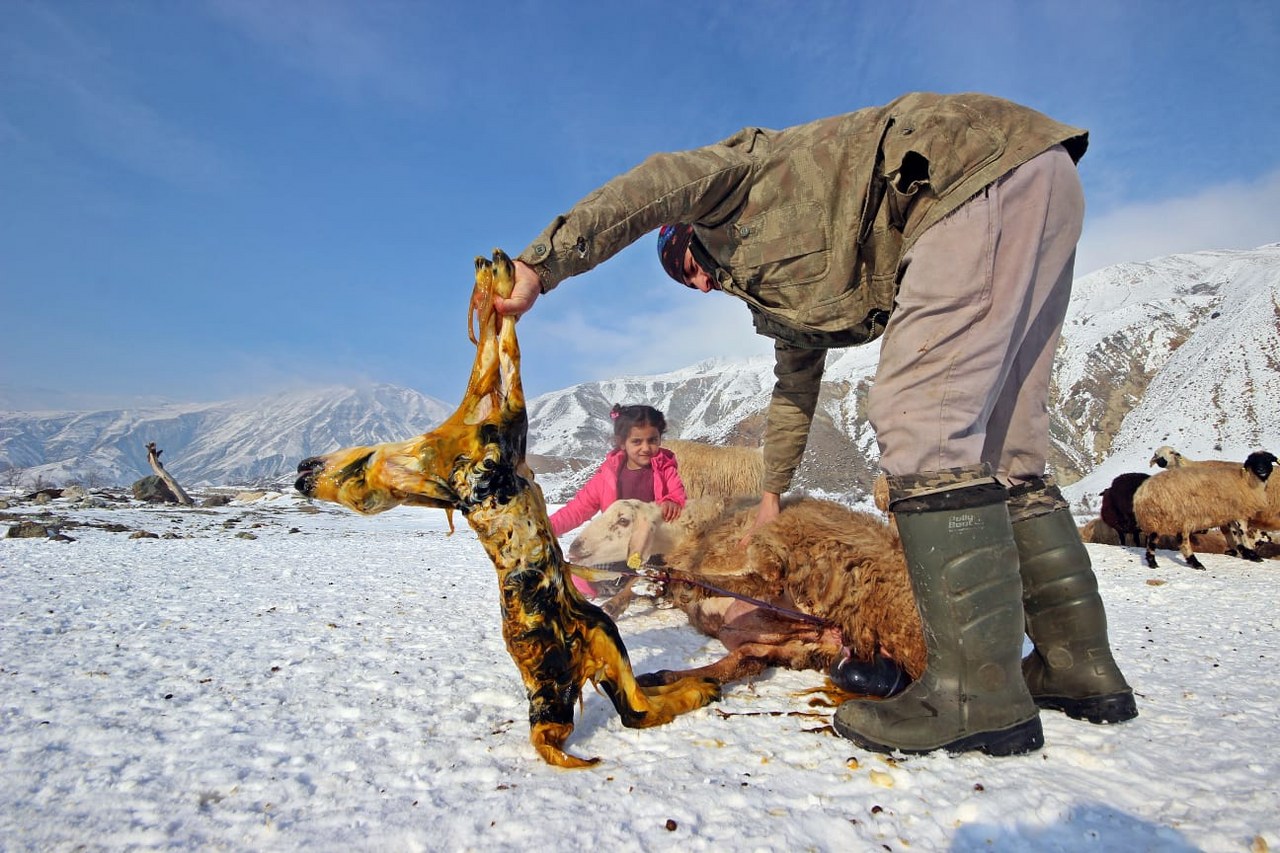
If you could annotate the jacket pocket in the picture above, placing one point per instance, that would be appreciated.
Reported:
(953, 139)
(781, 248)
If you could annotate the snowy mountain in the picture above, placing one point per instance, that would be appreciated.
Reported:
(235, 442)
(1182, 350)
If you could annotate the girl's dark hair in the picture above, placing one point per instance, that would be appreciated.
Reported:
(626, 417)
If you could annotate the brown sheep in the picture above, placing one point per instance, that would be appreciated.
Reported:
(1180, 500)
(1244, 536)
(711, 470)
(1097, 532)
(844, 567)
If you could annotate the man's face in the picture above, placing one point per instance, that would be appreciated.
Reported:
(695, 276)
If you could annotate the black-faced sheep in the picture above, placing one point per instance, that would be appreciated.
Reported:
(844, 567)
(712, 470)
(1245, 535)
(1180, 500)
(1117, 506)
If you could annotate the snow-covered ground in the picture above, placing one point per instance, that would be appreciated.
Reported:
(341, 683)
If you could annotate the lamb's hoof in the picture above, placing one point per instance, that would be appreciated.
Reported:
(877, 677)
(661, 678)
(1194, 563)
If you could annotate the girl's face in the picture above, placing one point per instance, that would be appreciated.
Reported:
(642, 442)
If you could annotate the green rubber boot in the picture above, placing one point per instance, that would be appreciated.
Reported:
(1071, 668)
(964, 570)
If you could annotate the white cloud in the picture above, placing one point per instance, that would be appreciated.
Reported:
(1232, 215)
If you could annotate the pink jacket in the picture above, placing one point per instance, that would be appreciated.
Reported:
(602, 489)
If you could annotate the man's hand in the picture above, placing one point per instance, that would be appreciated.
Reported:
(525, 292)
(670, 511)
(770, 507)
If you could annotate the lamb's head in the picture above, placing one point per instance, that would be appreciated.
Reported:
(623, 529)
(1260, 463)
(366, 479)
(1166, 457)
(448, 468)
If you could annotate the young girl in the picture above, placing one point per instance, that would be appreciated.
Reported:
(638, 467)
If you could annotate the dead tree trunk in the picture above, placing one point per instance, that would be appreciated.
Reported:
(153, 457)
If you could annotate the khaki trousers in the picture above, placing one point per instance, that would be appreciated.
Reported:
(967, 356)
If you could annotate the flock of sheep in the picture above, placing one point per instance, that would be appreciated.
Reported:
(1184, 504)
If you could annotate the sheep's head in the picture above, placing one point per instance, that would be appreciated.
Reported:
(1260, 463)
(621, 530)
(1166, 457)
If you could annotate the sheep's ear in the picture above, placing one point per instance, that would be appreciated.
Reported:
(641, 536)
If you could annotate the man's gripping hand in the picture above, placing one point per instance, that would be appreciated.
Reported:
(524, 293)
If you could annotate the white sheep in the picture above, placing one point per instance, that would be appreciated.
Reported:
(630, 526)
(712, 470)
(633, 530)
(1243, 535)
(1184, 499)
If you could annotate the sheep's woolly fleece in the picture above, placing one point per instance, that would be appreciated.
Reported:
(340, 683)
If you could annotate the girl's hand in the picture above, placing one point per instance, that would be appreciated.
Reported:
(525, 292)
(670, 510)
(770, 507)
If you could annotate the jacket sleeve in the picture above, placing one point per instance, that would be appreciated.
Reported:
(703, 185)
(672, 486)
(791, 408)
(581, 506)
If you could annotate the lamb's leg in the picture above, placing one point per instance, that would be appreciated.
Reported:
(756, 639)
(621, 600)
(1151, 551)
(742, 662)
(638, 705)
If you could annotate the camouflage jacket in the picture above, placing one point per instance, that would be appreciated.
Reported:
(809, 224)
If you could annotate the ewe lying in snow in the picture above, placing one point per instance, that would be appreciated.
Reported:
(844, 567)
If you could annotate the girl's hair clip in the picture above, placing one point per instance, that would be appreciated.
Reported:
(613, 415)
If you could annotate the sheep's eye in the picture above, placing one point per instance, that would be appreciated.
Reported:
(624, 522)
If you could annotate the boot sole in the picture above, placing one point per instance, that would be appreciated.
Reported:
(1017, 740)
(1099, 710)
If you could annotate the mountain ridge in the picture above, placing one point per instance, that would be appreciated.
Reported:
(1181, 350)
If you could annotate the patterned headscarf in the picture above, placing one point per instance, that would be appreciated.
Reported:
(672, 242)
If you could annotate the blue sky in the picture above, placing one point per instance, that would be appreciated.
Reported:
(214, 198)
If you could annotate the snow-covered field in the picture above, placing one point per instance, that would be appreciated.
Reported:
(340, 683)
